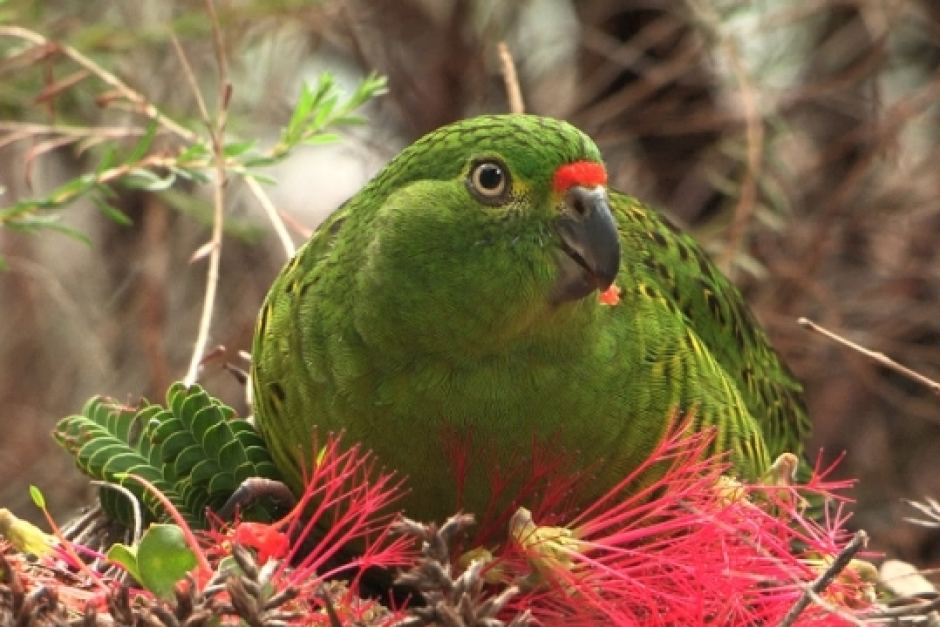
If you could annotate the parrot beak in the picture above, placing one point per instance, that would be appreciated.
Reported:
(590, 243)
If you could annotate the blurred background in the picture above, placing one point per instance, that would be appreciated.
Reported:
(797, 140)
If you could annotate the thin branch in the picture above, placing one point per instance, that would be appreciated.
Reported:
(286, 242)
(271, 211)
(145, 106)
(101, 178)
(513, 91)
(880, 358)
(917, 608)
(217, 133)
(78, 132)
(141, 104)
(859, 540)
(191, 79)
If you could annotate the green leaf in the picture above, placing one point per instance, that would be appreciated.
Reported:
(111, 211)
(194, 451)
(236, 149)
(47, 222)
(194, 152)
(126, 556)
(163, 559)
(141, 148)
(108, 159)
(322, 138)
(36, 494)
(147, 180)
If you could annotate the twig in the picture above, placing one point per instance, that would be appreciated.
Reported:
(146, 107)
(931, 509)
(513, 91)
(175, 515)
(103, 177)
(190, 78)
(78, 132)
(217, 133)
(271, 211)
(141, 104)
(859, 540)
(880, 358)
(918, 608)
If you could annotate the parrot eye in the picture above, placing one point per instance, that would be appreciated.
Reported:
(489, 181)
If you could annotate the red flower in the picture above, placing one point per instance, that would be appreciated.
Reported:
(686, 549)
(265, 539)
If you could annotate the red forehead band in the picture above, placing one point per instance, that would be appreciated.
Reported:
(583, 173)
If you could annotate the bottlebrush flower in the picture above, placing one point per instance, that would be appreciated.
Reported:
(684, 550)
(340, 526)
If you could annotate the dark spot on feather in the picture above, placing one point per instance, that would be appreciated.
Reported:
(277, 392)
(659, 239)
(292, 264)
(763, 393)
(337, 224)
(683, 251)
(703, 265)
(670, 224)
(715, 307)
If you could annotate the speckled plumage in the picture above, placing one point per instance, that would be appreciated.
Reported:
(418, 315)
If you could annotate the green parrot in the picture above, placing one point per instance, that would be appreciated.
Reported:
(448, 317)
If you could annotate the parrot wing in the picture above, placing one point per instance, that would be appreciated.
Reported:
(715, 311)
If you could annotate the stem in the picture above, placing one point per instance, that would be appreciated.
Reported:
(174, 513)
(146, 107)
(271, 211)
(859, 540)
(513, 91)
(880, 358)
(217, 134)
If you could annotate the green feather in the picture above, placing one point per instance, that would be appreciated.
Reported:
(419, 318)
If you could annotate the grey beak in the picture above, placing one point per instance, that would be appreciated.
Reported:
(590, 243)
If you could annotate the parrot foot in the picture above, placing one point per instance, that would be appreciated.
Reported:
(254, 489)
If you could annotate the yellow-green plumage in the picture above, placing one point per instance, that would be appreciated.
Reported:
(426, 312)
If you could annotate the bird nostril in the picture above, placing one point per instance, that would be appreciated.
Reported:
(580, 207)
(577, 204)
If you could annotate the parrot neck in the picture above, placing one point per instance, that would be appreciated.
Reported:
(542, 331)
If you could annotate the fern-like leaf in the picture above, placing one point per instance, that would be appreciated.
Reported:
(193, 449)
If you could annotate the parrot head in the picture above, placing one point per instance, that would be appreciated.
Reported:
(485, 230)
